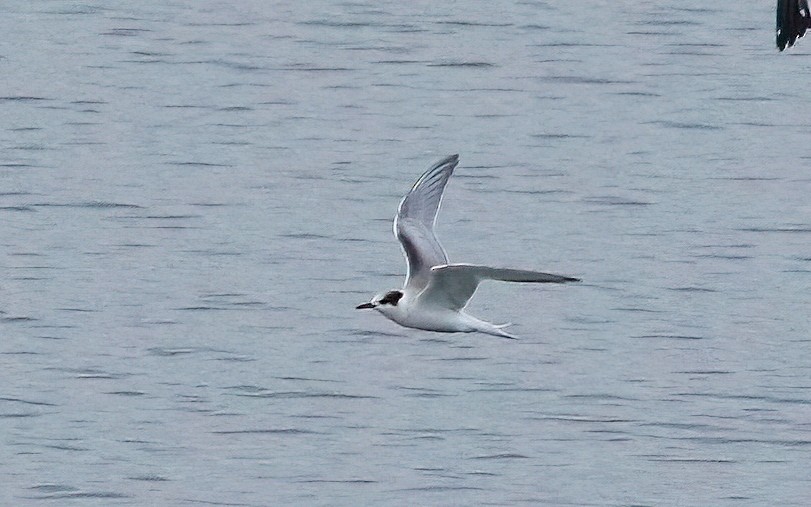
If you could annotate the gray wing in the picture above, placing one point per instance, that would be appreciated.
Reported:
(414, 223)
(453, 285)
(793, 19)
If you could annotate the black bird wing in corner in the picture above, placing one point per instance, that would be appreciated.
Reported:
(793, 19)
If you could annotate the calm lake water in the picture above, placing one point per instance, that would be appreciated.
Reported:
(195, 195)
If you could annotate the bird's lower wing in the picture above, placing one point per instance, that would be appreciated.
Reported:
(509, 275)
(453, 285)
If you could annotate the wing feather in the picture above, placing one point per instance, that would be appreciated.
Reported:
(453, 285)
(414, 223)
(793, 19)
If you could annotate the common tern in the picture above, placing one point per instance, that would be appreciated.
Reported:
(436, 292)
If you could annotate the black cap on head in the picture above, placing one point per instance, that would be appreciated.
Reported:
(391, 298)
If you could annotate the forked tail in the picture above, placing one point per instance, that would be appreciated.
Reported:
(495, 329)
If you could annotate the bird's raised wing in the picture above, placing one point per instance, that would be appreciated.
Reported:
(453, 285)
(793, 19)
(414, 223)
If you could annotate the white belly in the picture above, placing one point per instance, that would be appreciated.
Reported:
(444, 322)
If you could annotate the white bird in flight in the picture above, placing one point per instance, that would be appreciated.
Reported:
(436, 292)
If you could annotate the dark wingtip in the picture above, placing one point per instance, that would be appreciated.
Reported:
(450, 159)
(793, 19)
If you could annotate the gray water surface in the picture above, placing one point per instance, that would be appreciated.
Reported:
(195, 195)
